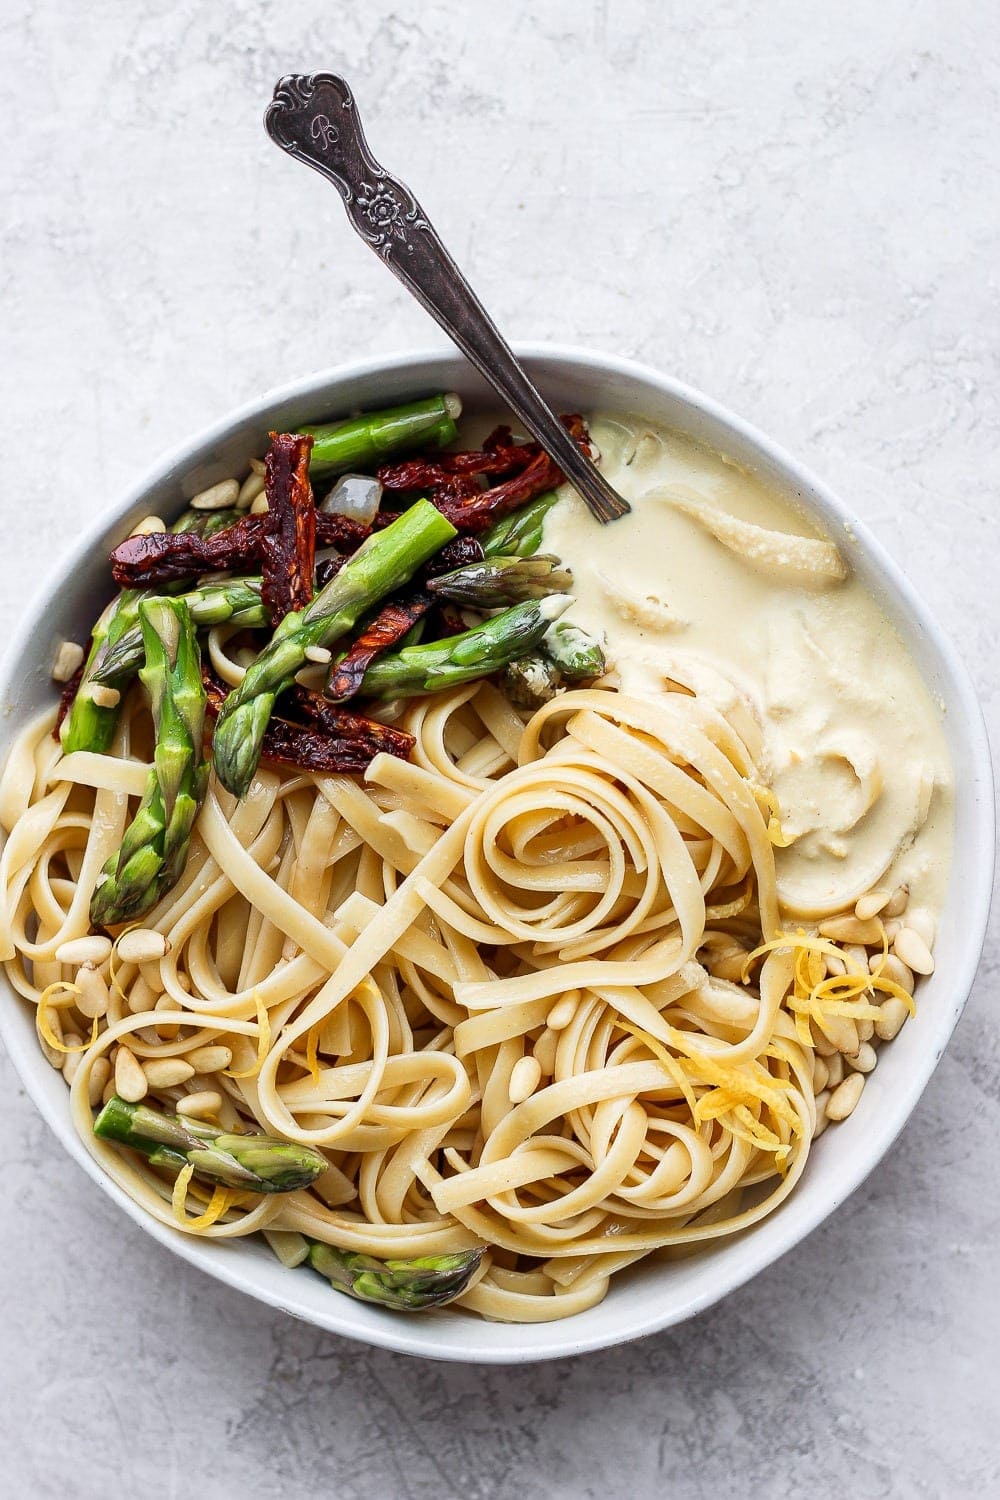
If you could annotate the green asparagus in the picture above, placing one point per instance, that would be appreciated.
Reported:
(499, 581)
(577, 656)
(435, 665)
(363, 441)
(403, 1285)
(383, 563)
(154, 848)
(234, 601)
(531, 681)
(520, 533)
(90, 725)
(257, 1163)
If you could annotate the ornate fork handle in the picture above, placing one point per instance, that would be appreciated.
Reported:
(313, 117)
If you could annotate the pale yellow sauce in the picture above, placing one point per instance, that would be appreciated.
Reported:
(852, 743)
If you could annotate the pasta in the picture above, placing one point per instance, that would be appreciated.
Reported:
(375, 960)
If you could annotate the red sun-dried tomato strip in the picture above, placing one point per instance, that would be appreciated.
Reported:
(163, 556)
(336, 741)
(288, 546)
(393, 621)
(475, 512)
(499, 455)
(458, 553)
(70, 689)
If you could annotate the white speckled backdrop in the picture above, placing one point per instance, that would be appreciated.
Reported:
(792, 205)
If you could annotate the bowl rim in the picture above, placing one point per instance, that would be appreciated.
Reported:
(395, 1333)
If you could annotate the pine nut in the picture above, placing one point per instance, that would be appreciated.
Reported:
(68, 660)
(835, 964)
(148, 525)
(896, 905)
(525, 1077)
(169, 1032)
(92, 1001)
(84, 950)
(835, 1071)
(822, 1119)
(866, 1030)
(100, 1073)
(866, 1059)
(141, 997)
(207, 1102)
(922, 923)
(844, 1099)
(103, 696)
(251, 487)
(727, 963)
(821, 1075)
(166, 1072)
(73, 1061)
(850, 929)
(258, 466)
(911, 950)
(130, 1080)
(108, 1092)
(843, 1034)
(217, 497)
(545, 1051)
(857, 958)
(320, 654)
(871, 904)
(821, 1046)
(892, 1013)
(210, 1059)
(893, 968)
(563, 1011)
(893, 927)
(260, 506)
(142, 946)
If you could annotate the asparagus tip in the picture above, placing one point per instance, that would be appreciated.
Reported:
(554, 605)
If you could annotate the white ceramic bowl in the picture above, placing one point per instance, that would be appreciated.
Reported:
(650, 1296)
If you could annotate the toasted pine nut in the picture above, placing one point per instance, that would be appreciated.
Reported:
(822, 1118)
(130, 1080)
(100, 1073)
(843, 1034)
(834, 1070)
(866, 1059)
(209, 1059)
(857, 957)
(165, 1072)
(910, 948)
(893, 968)
(821, 1075)
(563, 1011)
(68, 659)
(147, 525)
(545, 1051)
(206, 1102)
(866, 1030)
(92, 1001)
(843, 1101)
(141, 997)
(850, 929)
(71, 1060)
(108, 1092)
(892, 1013)
(142, 946)
(103, 696)
(260, 506)
(896, 905)
(258, 466)
(169, 1032)
(217, 497)
(251, 487)
(871, 904)
(84, 950)
(821, 1046)
(922, 923)
(834, 964)
(320, 654)
(525, 1077)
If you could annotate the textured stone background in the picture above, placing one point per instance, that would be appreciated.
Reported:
(794, 207)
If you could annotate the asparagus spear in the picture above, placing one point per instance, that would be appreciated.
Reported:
(155, 844)
(520, 533)
(362, 441)
(90, 725)
(531, 681)
(435, 665)
(384, 562)
(498, 581)
(235, 601)
(258, 1163)
(577, 656)
(403, 1285)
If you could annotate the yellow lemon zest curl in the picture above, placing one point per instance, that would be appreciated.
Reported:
(45, 1026)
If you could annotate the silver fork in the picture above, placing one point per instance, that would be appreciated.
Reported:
(313, 117)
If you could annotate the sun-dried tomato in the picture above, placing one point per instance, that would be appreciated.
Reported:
(68, 695)
(393, 621)
(475, 512)
(288, 546)
(163, 556)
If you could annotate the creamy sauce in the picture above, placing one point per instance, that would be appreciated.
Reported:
(851, 743)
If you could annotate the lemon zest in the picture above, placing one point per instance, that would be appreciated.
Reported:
(663, 1056)
(220, 1200)
(263, 1040)
(45, 1027)
(312, 1047)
